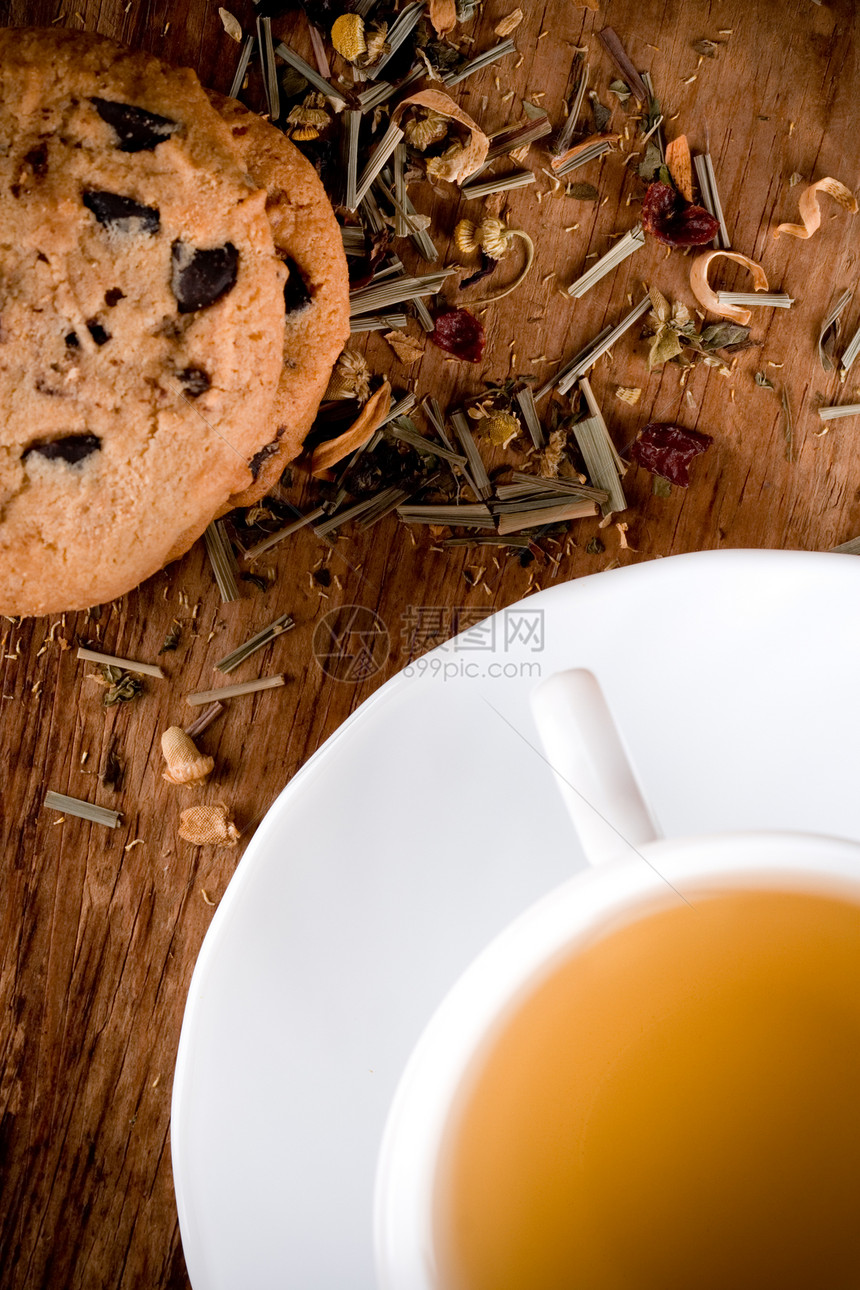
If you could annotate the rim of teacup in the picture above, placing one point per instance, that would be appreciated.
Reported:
(590, 904)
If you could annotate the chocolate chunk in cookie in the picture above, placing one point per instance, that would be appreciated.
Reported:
(136, 129)
(121, 214)
(297, 293)
(200, 277)
(72, 448)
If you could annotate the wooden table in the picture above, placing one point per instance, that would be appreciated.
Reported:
(101, 928)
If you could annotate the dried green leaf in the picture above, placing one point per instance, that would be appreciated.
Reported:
(601, 114)
(664, 346)
(723, 336)
(594, 546)
(649, 166)
(621, 90)
(660, 487)
(582, 192)
(761, 380)
(121, 685)
(293, 83)
(171, 640)
(660, 304)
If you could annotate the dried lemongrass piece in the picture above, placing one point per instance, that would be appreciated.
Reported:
(328, 454)
(809, 210)
(704, 292)
(680, 165)
(234, 691)
(242, 67)
(83, 810)
(603, 142)
(443, 16)
(127, 664)
(282, 624)
(205, 718)
(471, 156)
(186, 764)
(830, 329)
(208, 826)
(628, 393)
(507, 25)
(841, 410)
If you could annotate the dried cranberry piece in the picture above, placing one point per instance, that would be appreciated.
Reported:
(668, 450)
(673, 221)
(98, 333)
(194, 381)
(297, 293)
(202, 277)
(136, 129)
(460, 333)
(121, 214)
(71, 448)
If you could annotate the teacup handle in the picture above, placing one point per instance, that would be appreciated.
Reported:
(591, 765)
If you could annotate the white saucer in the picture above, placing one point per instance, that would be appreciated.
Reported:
(426, 823)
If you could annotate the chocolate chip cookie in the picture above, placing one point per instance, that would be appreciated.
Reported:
(141, 318)
(309, 242)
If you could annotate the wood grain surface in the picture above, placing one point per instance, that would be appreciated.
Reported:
(100, 928)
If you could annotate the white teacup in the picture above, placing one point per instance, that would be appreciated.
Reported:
(634, 870)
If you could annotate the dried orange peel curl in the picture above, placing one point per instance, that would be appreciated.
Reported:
(331, 451)
(462, 159)
(705, 294)
(809, 209)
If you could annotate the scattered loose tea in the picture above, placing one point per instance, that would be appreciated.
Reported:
(706, 295)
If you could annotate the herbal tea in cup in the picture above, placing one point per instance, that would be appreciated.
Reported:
(673, 1105)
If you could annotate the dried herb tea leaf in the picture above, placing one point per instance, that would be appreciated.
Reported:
(724, 336)
(460, 333)
(171, 640)
(621, 90)
(668, 450)
(761, 380)
(121, 686)
(660, 305)
(582, 192)
(509, 24)
(231, 25)
(602, 115)
(673, 221)
(707, 48)
(665, 345)
(650, 165)
(660, 487)
(594, 546)
(406, 349)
